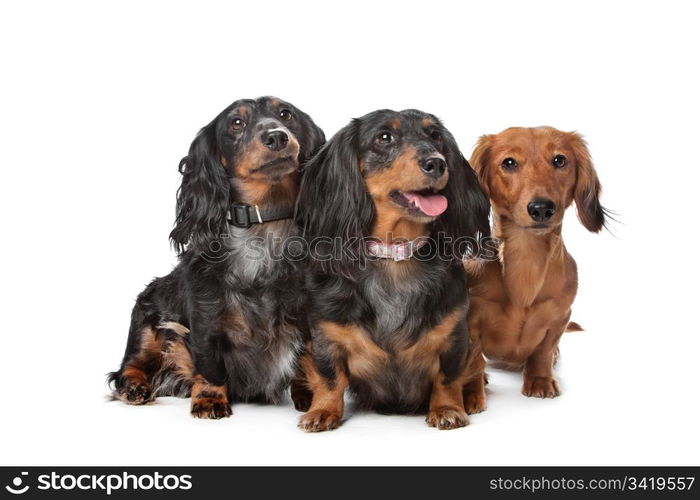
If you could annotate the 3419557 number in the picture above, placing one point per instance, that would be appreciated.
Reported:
(660, 483)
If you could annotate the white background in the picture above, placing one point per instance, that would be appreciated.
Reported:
(100, 101)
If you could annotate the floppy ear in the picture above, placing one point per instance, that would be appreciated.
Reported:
(468, 208)
(333, 201)
(587, 190)
(204, 194)
(312, 141)
(479, 161)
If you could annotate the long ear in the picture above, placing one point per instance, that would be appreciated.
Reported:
(468, 208)
(587, 190)
(312, 141)
(333, 202)
(479, 161)
(204, 195)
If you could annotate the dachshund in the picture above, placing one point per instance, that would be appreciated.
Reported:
(521, 302)
(387, 301)
(228, 323)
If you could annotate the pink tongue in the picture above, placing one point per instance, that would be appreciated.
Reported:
(431, 205)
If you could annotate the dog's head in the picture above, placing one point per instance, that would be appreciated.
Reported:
(533, 174)
(387, 170)
(250, 153)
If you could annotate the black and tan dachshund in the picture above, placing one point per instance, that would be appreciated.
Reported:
(228, 323)
(389, 198)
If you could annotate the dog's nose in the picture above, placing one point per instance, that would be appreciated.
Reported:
(541, 210)
(275, 140)
(433, 166)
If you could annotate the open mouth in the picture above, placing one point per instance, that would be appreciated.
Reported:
(426, 202)
(278, 163)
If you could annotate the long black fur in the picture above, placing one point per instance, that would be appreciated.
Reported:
(334, 203)
(242, 307)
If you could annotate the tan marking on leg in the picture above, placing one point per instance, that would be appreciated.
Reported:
(364, 357)
(446, 405)
(178, 359)
(328, 401)
(209, 401)
(300, 390)
(136, 388)
(425, 353)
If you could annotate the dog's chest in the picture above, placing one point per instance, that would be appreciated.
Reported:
(512, 323)
(395, 304)
(265, 330)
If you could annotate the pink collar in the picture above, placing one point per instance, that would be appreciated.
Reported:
(395, 251)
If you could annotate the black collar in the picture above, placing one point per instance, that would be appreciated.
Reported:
(242, 215)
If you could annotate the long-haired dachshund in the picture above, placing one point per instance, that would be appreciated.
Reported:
(388, 302)
(228, 322)
(521, 302)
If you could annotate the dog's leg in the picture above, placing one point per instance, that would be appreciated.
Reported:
(299, 390)
(301, 394)
(538, 374)
(327, 403)
(446, 409)
(143, 358)
(209, 388)
(474, 392)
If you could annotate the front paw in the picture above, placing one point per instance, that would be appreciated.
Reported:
(447, 418)
(540, 387)
(319, 420)
(135, 393)
(210, 407)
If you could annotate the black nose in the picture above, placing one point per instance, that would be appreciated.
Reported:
(541, 210)
(275, 140)
(434, 167)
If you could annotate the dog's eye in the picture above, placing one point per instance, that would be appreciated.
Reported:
(559, 161)
(435, 135)
(509, 164)
(384, 138)
(286, 115)
(237, 124)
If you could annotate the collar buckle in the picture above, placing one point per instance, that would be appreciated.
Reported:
(239, 215)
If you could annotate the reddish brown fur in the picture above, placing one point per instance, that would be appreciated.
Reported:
(521, 303)
(446, 409)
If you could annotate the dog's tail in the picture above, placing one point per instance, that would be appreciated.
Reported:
(574, 327)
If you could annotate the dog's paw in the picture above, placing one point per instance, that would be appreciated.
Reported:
(447, 418)
(475, 402)
(204, 406)
(319, 420)
(135, 393)
(541, 387)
